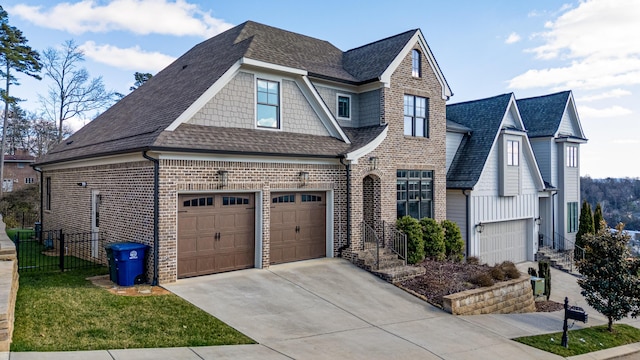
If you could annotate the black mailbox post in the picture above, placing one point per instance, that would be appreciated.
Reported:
(573, 313)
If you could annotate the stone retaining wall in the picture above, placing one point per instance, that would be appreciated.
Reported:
(8, 287)
(507, 297)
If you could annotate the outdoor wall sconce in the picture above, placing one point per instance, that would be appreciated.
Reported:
(374, 162)
(304, 177)
(480, 227)
(538, 220)
(224, 177)
(82, 184)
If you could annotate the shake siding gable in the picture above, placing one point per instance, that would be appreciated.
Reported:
(329, 95)
(234, 106)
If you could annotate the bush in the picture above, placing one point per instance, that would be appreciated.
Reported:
(415, 243)
(454, 245)
(497, 273)
(510, 270)
(433, 236)
(482, 280)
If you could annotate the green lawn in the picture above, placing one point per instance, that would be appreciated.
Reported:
(584, 340)
(65, 312)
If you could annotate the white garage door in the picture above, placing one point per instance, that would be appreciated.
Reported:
(503, 241)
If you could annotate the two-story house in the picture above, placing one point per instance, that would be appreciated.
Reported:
(256, 147)
(18, 172)
(513, 176)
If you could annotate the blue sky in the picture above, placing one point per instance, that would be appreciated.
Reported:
(484, 48)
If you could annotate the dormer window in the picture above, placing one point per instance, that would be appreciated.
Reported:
(344, 107)
(268, 104)
(415, 63)
(513, 153)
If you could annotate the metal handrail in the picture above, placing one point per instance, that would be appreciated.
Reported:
(397, 240)
(370, 241)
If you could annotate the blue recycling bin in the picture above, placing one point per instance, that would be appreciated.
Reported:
(129, 260)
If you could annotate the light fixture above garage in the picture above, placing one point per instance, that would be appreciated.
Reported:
(538, 220)
(224, 177)
(304, 177)
(480, 227)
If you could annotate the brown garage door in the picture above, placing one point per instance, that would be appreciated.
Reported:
(298, 226)
(215, 233)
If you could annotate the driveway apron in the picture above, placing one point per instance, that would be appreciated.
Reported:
(328, 308)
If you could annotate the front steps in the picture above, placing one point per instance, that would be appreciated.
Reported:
(391, 268)
(558, 259)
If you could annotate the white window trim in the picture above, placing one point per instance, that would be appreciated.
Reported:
(338, 95)
(511, 146)
(279, 80)
(419, 69)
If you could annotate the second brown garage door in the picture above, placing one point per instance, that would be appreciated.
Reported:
(298, 226)
(215, 233)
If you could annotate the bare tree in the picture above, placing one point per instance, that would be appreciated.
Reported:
(43, 135)
(73, 92)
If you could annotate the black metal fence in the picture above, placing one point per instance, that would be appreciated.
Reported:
(21, 219)
(56, 250)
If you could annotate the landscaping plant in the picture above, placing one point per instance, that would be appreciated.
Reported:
(544, 271)
(415, 244)
(585, 225)
(454, 245)
(433, 235)
(610, 282)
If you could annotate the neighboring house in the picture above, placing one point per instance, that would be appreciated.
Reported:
(18, 172)
(493, 182)
(513, 174)
(259, 146)
(555, 133)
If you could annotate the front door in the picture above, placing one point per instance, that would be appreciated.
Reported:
(95, 222)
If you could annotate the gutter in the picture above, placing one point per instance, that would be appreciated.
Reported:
(156, 214)
(348, 174)
(467, 196)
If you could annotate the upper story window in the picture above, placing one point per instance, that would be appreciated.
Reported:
(29, 180)
(513, 153)
(572, 156)
(268, 104)
(415, 63)
(20, 165)
(344, 107)
(416, 122)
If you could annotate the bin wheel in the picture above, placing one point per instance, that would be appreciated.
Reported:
(140, 279)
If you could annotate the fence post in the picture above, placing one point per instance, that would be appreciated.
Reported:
(61, 251)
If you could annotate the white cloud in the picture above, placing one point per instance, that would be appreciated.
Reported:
(615, 93)
(512, 38)
(612, 111)
(595, 40)
(626, 141)
(132, 58)
(143, 17)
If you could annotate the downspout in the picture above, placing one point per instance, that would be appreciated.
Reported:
(466, 193)
(553, 219)
(348, 173)
(41, 201)
(156, 214)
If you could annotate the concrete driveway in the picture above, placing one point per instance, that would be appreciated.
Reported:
(328, 308)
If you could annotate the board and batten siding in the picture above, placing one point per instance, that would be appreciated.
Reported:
(457, 210)
(453, 142)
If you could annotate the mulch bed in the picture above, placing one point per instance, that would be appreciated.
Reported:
(443, 278)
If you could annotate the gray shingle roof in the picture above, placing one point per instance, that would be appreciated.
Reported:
(542, 114)
(368, 62)
(138, 121)
(483, 117)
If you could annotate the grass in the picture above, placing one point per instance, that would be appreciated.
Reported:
(65, 312)
(584, 340)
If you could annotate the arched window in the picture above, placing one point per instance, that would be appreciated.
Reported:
(415, 63)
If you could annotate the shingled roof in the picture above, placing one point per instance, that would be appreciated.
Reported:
(542, 114)
(138, 121)
(483, 117)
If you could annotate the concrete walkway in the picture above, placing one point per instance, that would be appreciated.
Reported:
(328, 308)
